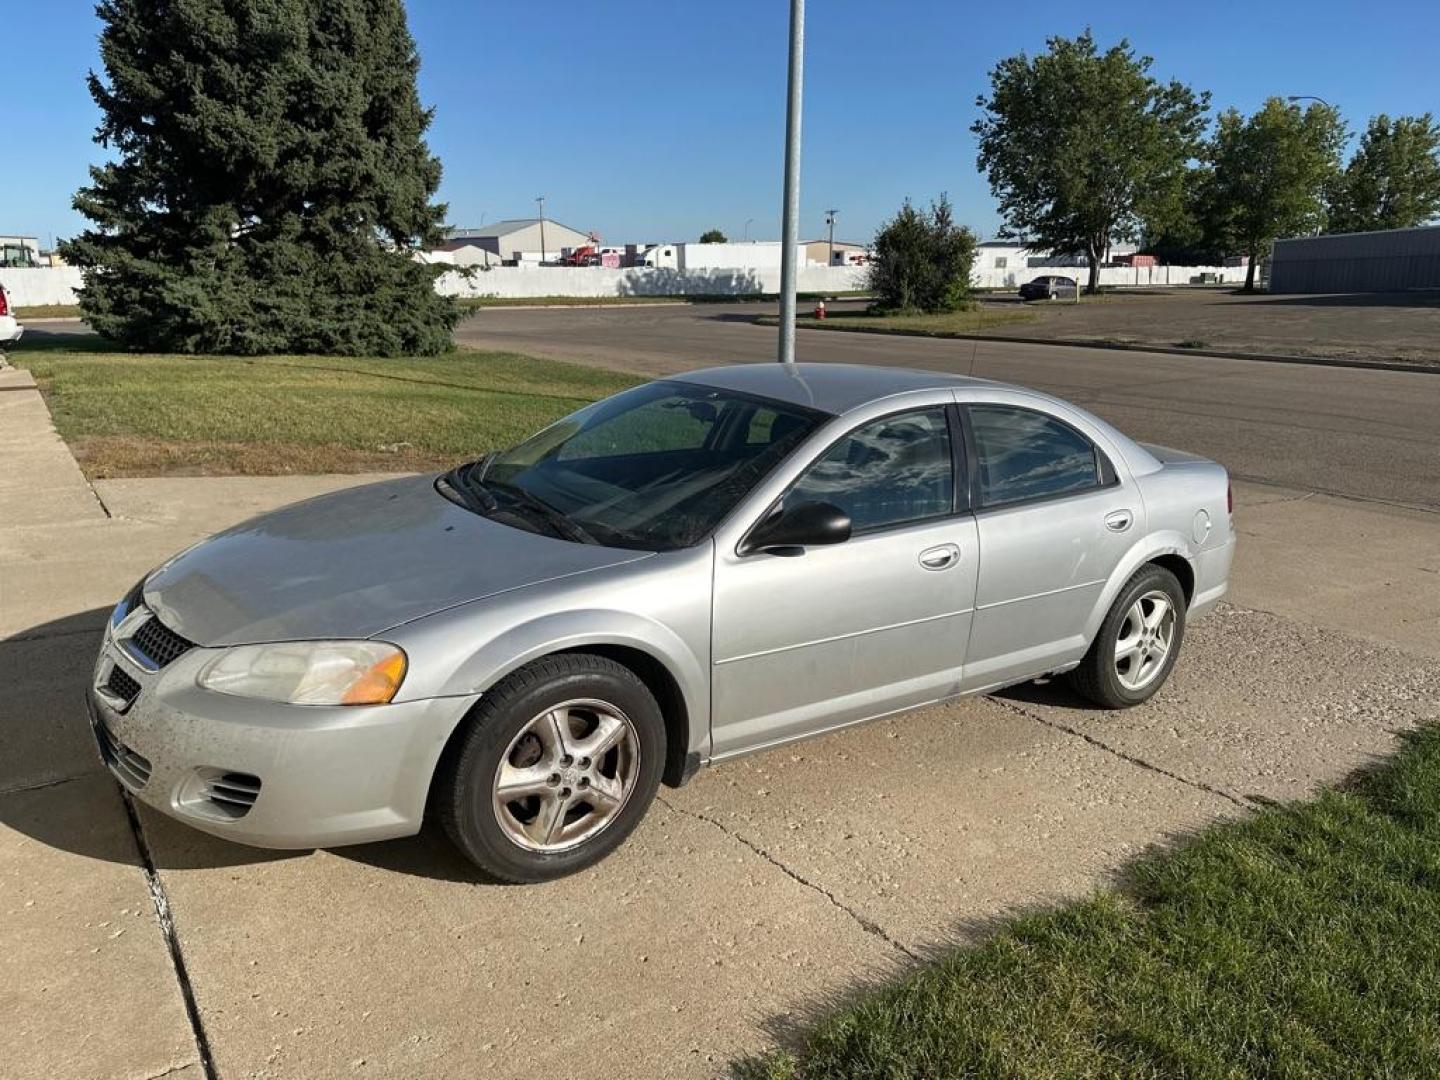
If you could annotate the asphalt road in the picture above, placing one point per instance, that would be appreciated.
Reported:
(1371, 435)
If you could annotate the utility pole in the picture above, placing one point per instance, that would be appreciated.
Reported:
(540, 202)
(830, 220)
(748, 222)
(790, 223)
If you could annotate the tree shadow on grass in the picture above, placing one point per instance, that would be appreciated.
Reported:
(38, 340)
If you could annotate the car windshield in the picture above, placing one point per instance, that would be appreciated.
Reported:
(655, 468)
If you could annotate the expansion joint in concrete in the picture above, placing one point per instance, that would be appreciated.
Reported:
(867, 925)
(172, 940)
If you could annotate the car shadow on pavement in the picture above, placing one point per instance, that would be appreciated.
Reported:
(1057, 692)
(48, 743)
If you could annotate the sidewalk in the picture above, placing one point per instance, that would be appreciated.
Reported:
(756, 894)
(87, 987)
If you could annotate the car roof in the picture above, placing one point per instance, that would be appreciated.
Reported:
(831, 388)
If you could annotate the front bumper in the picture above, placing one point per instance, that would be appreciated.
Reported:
(10, 330)
(262, 773)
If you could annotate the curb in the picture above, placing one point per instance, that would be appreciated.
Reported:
(1117, 346)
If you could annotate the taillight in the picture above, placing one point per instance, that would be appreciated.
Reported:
(1229, 497)
(4, 303)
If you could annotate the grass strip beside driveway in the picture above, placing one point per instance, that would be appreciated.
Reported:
(1300, 942)
(945, 324)
(146, 415)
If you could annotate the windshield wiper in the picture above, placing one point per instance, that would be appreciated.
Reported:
(557, 519)
(464, 481)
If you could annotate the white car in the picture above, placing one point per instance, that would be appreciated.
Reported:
(10, 328)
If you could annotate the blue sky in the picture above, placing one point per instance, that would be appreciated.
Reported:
(655, 119)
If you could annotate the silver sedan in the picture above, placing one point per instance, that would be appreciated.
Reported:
(527, 646)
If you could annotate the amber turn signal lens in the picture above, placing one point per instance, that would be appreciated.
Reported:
(379, 684)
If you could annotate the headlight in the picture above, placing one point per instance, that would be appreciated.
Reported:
(309, 672)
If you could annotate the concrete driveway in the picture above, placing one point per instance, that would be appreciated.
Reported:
(746, 901)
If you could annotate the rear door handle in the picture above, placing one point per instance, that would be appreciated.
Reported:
(940, 557)
(1119, 521)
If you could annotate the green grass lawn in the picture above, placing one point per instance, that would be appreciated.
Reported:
(48, 311)
(1302, 942)
(146, 415)
(948, 324)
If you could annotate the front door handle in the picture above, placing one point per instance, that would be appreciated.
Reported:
(940, 557)
(1119, 521)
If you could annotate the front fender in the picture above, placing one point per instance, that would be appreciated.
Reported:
(1151, 546)
(522, 643)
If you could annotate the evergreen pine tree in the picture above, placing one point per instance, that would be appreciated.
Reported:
(270, 181)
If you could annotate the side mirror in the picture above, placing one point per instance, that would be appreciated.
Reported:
(792, 530)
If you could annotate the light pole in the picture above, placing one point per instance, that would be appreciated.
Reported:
(830, 221)
(1309, 97)
(748, 222)
(790, 223)
(540, 202)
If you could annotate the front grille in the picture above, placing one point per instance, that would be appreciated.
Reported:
(233, 793)
(122, 685)
(133, 769)
(157, 643)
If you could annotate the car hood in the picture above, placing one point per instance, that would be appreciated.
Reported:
(354, 564)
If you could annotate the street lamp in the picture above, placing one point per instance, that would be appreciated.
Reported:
(540, 202)
(748, 222)
(830, 221)
(1309, 97)
(790, 218)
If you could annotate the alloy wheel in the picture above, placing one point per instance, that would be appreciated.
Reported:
(566, 775)
(1144, 640)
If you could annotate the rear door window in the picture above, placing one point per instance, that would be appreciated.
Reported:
(1024, 454)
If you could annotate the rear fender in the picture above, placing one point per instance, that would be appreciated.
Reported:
(1152, 546)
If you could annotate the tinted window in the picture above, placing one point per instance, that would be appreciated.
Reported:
(1025, 455)
(656, 467)
(892, 471)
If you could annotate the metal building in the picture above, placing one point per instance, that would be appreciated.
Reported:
(517, 237)
(1391, 260)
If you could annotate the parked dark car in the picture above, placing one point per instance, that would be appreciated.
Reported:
(1049, 287)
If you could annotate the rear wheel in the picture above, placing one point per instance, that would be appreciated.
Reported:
(556, 767)
(1138, 642)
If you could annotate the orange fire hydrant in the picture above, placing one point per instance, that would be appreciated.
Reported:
(820, 309)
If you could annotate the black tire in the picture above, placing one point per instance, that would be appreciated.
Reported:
(464, 782)
(1096, 678)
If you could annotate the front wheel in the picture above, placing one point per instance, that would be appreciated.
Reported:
(555, 768)
(1132, 655)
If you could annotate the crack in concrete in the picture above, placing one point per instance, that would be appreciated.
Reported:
(171, 1071)
(869, 926)
(41, 785)
(172, 940)
(1131, 759)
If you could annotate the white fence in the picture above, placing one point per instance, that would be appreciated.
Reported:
(991, 278)
(35, 286)
(57, 285)
(519, 282)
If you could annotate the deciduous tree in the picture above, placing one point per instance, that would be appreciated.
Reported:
(270, 181)
(712, 236)
(1082, 147)
(1270, 174)
(1393, 181)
